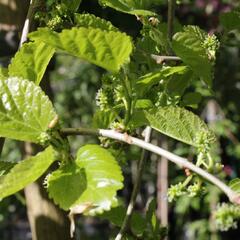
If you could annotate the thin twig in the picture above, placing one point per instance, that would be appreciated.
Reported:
(183, 162)
(136, 187)
(161, 59)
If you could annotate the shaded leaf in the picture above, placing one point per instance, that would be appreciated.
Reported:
(72, 5)
(5, 167)
(188, 45)
(230, 20)
(178, 123)
(145, 82)
(109, 50)
(31, 61)
(25, 172)
(25, 110)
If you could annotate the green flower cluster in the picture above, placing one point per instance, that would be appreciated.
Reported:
(227, 216)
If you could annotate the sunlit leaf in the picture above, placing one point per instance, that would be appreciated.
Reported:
(109, 50)
(25, 172)
(25, 110)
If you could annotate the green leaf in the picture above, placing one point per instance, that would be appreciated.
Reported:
(178, 123)
(3, 73)
(188, 45)
(145, 82)
(191, 99)
(31, 61)
(25, 111)
(143, 104)
(72, 5)
(114, 215)
(5, 167)
(92, 181)
(135, 7)
(230, 20)
(178, 83)
(90, 20)
(235, 185)
(109, 50)
(138, 224)
(25, 172)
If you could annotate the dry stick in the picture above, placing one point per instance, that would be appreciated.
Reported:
(183, 162)
(127, 218)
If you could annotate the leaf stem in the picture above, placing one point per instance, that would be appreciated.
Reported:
(136, 187)
(171, 15)
(233, 196)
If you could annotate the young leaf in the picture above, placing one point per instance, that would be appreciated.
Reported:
(235, 185)
(31, 61)
(178, 123)
(109, 50)
(25, 111)
(91, 181)
(90, 20)
(135, 7)
(25, 172)
(188, 45)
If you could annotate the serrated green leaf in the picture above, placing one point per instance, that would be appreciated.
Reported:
(178, 123)
(90, 20)
(230, 20)
(135, 7)
(25, 111)
(25, 172)
(235, 185)
(31, 61)
(109, 50)
(188, 45)
(94, 178)
(66, 185)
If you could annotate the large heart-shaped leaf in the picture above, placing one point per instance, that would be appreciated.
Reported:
(25, 172)
(178, 123)
(31, 61)
(109, 50)
(92, 181)
(25, 111)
